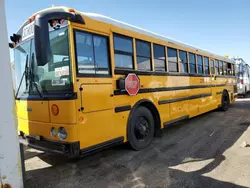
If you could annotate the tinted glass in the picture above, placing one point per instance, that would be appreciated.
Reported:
(143, 48)
(159, 65)
(217, 69)
(101, 55)
(172, 67)
(200, 69)
(192, 68)
(124, 44)
(172, 55)
(92, 53)
(183, 61)
(85, 53)
(143, 63)
(221, 67)
(199, 60)
(123, 61)
(225, 68)
(183, 67)
(206, 61)
(192, 64)
(212, 66)
(159, 52)
(183, 56)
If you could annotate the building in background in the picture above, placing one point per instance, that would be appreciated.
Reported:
(243, 76)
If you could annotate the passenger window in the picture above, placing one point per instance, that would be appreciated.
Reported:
(143, 54)
(200, 64)
(221, 67)
(172, 60)
(212, 66)
(233, 70)
(192, 63)
(225, 68)
(206, 65)
(92, 54)
(123, 50)
(229, 69)
(183, 61)
(159, 58)
(217, 67)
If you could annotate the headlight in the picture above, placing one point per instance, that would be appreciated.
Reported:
(62, 134)
(53, 131)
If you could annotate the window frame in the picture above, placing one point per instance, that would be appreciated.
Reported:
(177, 63)
(153, 57)
(124, 53)
(108, 52)
(150, 57)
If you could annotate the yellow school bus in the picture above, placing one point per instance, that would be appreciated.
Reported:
(84, 82)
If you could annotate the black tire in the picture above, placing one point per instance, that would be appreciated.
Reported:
(141, 129)
(224, 101)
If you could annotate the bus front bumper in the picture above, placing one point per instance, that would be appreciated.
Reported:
(70, 150)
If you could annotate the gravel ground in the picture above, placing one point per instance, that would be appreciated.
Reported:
(207, 151)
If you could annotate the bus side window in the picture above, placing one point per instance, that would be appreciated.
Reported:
(200, 64)
(221, 67)
(212, 66)
(143, 55)
(225, 68)
(159, 58)
(229, 69)
(206, 66)
(183, 61)
(217, 67)
(123, 51)
(192, 63)
(92, 54)
(172, 60)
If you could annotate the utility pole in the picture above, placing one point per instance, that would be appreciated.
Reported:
(10, 162)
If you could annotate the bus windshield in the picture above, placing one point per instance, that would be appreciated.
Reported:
(52, 78)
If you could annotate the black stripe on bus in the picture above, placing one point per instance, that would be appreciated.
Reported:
(122, 108)
(165, 124)
(184, 98)
(160, 89)
(155, 73)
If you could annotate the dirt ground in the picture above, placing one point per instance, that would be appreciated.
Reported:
(206, 151)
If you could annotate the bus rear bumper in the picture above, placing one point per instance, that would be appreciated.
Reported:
(70, 150)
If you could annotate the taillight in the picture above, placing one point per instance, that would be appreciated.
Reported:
(241, 81)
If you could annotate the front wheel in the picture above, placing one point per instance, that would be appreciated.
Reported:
(225, 101)
(141, 129)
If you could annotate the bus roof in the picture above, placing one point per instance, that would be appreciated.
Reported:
(127, 26)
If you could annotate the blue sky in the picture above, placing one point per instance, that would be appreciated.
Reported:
(219, 26)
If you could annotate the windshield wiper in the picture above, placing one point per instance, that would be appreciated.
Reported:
(25, 73)
(32, 81)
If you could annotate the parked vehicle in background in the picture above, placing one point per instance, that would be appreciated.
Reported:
(243, 76)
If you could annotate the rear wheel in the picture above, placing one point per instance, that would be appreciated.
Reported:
(224, 101)
(141, 128)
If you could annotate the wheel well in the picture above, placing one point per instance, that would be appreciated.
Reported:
(149, 105)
